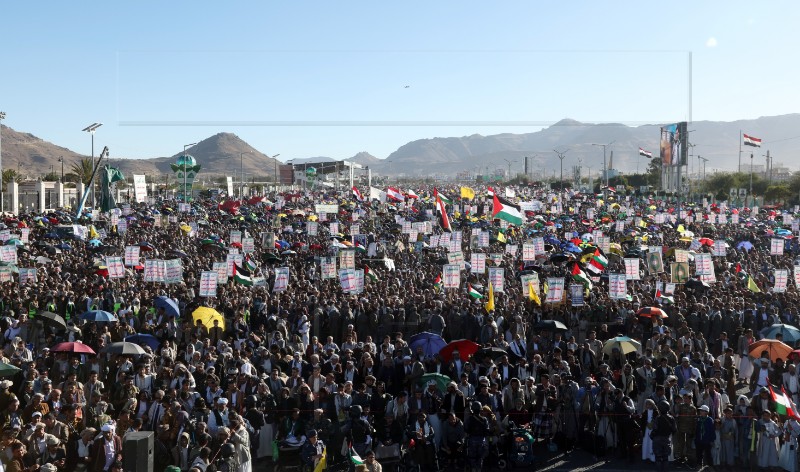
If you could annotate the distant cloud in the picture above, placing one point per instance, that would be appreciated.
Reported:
(711, 42)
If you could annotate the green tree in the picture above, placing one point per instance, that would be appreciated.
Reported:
(11, 175)
(777, 193)
(81, 171)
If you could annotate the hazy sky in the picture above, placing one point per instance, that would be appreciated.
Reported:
(335, 78)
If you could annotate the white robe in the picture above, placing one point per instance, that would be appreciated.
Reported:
(647, 443)
(768, 445)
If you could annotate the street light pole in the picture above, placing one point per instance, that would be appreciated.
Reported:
(274, 158)
(605, 170)
(185, 197)
(2, 117)
(752, 198)
(241, 169)
(561, 156)
(91, 129)
(61, 160)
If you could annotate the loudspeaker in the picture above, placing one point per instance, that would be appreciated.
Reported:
(137, 451)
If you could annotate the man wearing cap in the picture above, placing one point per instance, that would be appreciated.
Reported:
(685, 414)
(219, 416)
(106, 450)
(11, 416)
(37, 404)
(704, 437)
(311, 452)
(5, 393)
(55, 453)
(761, 373)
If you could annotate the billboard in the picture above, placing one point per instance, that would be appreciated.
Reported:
(673, 145)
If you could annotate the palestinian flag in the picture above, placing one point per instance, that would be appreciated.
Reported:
(507, 211)
(579, 276)
(354, 457)
(359, 247)
(369, 274)
(437, 283)
(752, 141)
(250, 264)
(441, 212)
(783, 404)
(598, 261)
(442, 197)
(473, 293)
(357, 194)
(646, 154)
(395, 194)
(660, 297)
(241, 278)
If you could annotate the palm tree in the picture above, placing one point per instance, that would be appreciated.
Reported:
(82, 170)
(11, 175)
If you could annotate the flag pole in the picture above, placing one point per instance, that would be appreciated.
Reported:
(740, 151)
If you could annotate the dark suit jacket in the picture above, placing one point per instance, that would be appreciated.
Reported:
(99, 454)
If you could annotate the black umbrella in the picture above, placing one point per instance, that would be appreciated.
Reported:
(550, 325)
(125, 348)
(52, 319)
(492, 352)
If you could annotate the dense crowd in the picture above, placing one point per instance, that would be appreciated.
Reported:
(403, 369)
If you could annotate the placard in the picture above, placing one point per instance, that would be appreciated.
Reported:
(281, 279)
(617, 287)
(527, 279)
(154, 270)
(512, 249)
(776, 247)
(221, 268)
(139, 188)
(236, 237)
(208, 283)
(720, 248)
(702, 264)
(781, 280)
(456, 258)
(359, 281)
(6, 275)
(655, 265)
(681, 255)
(27, 275)
(576, 294)
(632, 268)
(8, 254)
(174, 271)
(679, 272)
(477, 262)
(248, 245)
(24, 235)
(451, 273)
(122, 226)
(538, 245)
(116, 268)
(483, 239)
(497, 278)
(555, 290)
(797, 276)
(355, 229)
(328, 267)
(323, 208)
(233, 259)
(333, 227)
(604, 243)
(347, 280)
(528, 252)
(347, 259)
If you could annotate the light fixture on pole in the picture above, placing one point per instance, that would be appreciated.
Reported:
(61, 160)
(561, 155)
(276, 170)
(704, 166)
(185, 164)
(605, 169)
(91, 129)
(2, 117)
(241, 169)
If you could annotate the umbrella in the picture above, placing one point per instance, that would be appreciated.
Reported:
(125, 348)
(775, 349)
(98, 316)
(431, 343)
(207, 316)
(651, 311)
(7, 370)
(52, 319)
(14, 242)
(790, 334)
(492, 352)
(95, 242)
(465, 348)
(144, 340)
(625, 345)
(550, 325)
(75, 348)
(43, 260)
(746, 245)
(64, 247)
(440, 380)
(168, 304)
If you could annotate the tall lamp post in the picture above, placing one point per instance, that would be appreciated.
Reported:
(561, 155)
(605, 169)
(91, 129)
(704, 167)
(185, 196)
(2, 117)
(61, 160)
(276, 170)
(241, 169)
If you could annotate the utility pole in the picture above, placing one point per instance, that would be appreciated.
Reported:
(241, 169)
(561, 155)
(91, 129)
(509, 168)
(752, 198)
(605, 170)
(2, 117)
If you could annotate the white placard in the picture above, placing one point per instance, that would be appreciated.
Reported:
(221, 268)
(132, 255)
(452, 275)
(512, 249)
(139, 188)
(632, 268)
(776, 247)
(456, 258)
(533, 279)
(154, 270)
(347, 280)
(313, 228)
(703, 264)
(497, 279)
(8, 254)
(555, 290)
(477, 262)
(347, 259)
(483, 239)
(528, 252)
(538, 245)
(27, 275)
(236, 237)
(719, 249)
(248, 245)
(208, 283)
(116, 269)
(174, 271)
(281, 279)
(781, 280)
(617, 287)
(233, 259)
(328, 267)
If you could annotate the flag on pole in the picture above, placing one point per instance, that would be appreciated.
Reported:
(598, 261)
(660, 297)
(442, 197)
(411, 194)
(250, 264)
(752, 285)
(532, 296)
(490, 300)
(646, 154)
(395, 194)
(369, 274)
(468, 193)
(490, 191)
(783, 405)
(441, 212)
(357, 194)
(507, 211)
(472, 292)
(752, 141)
(354, 457)
(240, 278)
(437, 283)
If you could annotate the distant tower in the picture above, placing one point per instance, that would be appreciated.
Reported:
(185, 170)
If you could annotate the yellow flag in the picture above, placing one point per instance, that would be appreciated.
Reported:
(467, 193)
(323, 462)
(681, 229)
(501, 238)
(532, 294)
(545, 290)
(490, 299)
(93, 232)
(752, 285)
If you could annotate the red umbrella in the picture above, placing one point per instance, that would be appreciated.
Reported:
(76, 348)
(236, 245)
(465, 348)
(230, 206)
(651, 311)
(706, 242)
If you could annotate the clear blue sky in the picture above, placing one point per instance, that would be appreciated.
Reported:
(144, 67)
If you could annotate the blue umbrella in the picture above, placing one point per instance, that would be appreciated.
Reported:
(790, 334)
(168, 304)
(95, 242)
(98, 316)
(64, 247)
(431, 343)
(51, 236)
(746, 245)
(144, 340)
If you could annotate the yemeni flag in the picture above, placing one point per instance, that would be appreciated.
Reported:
(507, 211)
(783, 405)
(473, 293)
(357, 194)
(395, 194)
(411, 194)
(441, 212)
(646, 154)
(599, 260)
(354, 457)
(437, 283)
(490, 191)
(752, 141)
(442, 197)
(240, 278)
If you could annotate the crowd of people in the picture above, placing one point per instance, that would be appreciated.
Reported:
(410, 364)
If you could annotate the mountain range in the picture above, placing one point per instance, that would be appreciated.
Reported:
(228, 154)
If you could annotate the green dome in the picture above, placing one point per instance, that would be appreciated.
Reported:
(187, 160)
